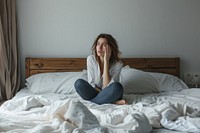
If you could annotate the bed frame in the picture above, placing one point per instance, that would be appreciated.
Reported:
(43, 65)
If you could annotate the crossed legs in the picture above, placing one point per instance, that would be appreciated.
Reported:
(111, 94)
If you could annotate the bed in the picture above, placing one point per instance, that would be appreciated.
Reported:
(158, 100)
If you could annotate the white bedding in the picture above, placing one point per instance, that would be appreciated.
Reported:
(51, 112)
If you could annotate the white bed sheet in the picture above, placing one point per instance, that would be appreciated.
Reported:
(27, 112)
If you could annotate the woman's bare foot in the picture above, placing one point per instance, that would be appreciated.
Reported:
(121, 102)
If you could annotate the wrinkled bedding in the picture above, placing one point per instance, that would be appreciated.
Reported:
(53, 113)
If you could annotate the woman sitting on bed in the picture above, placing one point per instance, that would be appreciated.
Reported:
(103, 69)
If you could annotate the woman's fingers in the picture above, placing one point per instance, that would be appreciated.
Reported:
(107, 52)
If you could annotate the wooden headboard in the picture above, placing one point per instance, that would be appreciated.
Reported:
(42, 65)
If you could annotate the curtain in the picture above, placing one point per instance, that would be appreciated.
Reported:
(9, 59)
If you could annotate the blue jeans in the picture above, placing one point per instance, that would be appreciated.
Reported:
(109, 94)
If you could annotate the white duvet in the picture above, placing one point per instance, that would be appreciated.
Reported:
(57, 113)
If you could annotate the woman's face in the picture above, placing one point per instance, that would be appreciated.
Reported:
(101, 46)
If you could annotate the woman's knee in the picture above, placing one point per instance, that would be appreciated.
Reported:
(117, 87)
(79, 83)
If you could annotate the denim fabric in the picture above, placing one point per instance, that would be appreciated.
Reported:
(109, 94)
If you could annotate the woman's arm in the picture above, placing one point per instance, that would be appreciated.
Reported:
(91, 73)
(106, 75)
(106, 68)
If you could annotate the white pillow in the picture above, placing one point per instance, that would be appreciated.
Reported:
(167, 82)
(136, 81)
(55, 82)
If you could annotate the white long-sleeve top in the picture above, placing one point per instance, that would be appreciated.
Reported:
(94, 75)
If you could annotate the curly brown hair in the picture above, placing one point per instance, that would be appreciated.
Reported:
(112, 42)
